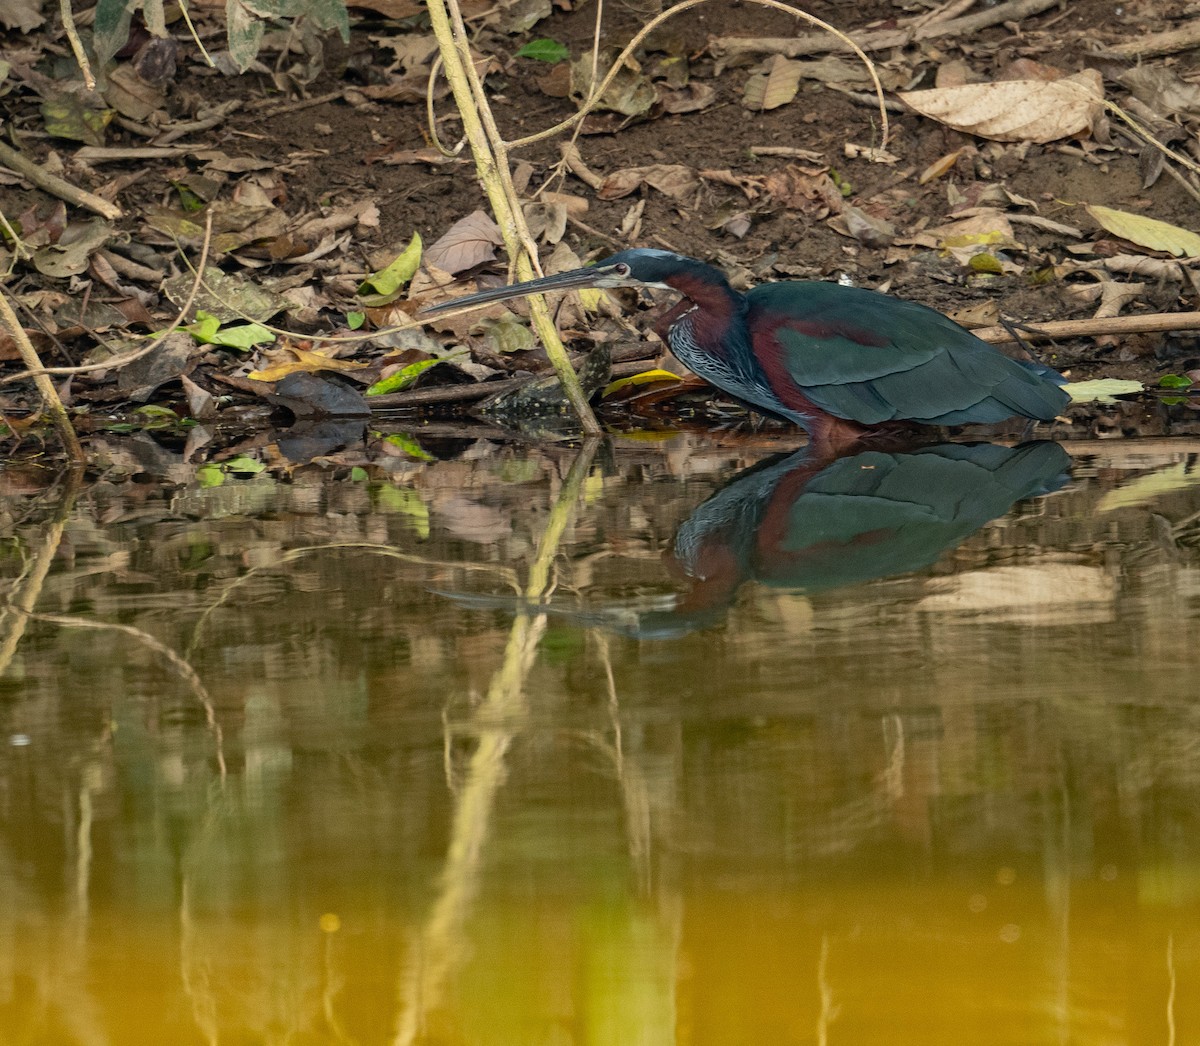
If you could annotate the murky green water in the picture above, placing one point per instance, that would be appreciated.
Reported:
(282, 762)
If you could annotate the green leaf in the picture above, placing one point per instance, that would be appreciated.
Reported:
(406, 502)
(244, 465)
(188, 198)
(210, 475)
(66, 116)
(110, 28)
(354, 320)
(1143, 489)
(985, 263)
(544, 50)
(205, 328)
(508, 334)
(1174, 381)
(409, 445)
(358, 474)
(244, 32)
(384, 286)
(156, 416)
(208, 331)
(402, 379)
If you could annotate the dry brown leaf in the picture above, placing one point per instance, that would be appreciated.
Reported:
(955, 73)
(557, 82)
(688, 99)
(577, 206)
(413, 52)
(431, 285)
(25, 15)
(939, 167)
(522, 15)
(798, 189)
(201, 404)
(407, 90)
(1029, 69)
(864, 227)
(546, 221)
(630, 93)
(631, 223)
(131, 96)
(831, 70)
(1016, 110)
(869, 152)
(749, 184)
(672, 180)
(776, 85)
(1162, 90)
(406, 156)
(468, 242)
(985, 228)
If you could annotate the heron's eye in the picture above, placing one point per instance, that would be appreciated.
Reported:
(622, 269)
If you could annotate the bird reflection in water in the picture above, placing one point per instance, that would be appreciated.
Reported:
(807, 523)
(811, 525)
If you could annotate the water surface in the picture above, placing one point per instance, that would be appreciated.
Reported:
(652, 744)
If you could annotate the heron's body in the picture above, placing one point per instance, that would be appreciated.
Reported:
(835, 360)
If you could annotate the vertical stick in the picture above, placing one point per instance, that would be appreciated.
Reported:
(491, 163)
(45, 386)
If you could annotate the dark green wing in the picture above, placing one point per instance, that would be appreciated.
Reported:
(868, 357)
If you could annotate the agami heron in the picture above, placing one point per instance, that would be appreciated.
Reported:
(835, 360)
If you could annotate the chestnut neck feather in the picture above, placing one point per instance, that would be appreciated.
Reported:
(717, 312)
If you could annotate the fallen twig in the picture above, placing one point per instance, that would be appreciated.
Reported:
(268, 107)
(112, 154)
(214, 118)
(1148, 324)
(1173, 41)
(725, 47)
(55, 185)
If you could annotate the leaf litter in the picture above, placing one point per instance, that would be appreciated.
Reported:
(1010, 182)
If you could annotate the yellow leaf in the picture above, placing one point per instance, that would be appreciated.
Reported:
(939, 167)
(593, 297)
(303, 360)
(977, 239)
(646, 377)
(1144, 489)
(1147, 232)
(1102, 390)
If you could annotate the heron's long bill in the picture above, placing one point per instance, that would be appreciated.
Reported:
(563, 281)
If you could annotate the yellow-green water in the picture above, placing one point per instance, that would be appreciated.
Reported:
(323, 784)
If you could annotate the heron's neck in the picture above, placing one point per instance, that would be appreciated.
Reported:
(715, 311)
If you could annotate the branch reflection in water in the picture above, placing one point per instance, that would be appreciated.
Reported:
(497, 720)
